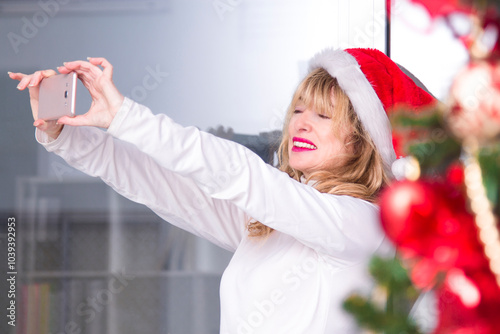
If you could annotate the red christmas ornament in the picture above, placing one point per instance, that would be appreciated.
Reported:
(468, 303)
(455, 174)
(429, 223)
(475, 101)
(424, 272)
(491, 23)
(430, 219)
(446, 7)
(482, 15)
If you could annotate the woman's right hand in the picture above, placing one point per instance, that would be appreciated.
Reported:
(32, 81)
(96, 74)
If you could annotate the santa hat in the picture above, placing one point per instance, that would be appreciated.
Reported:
(375, 85)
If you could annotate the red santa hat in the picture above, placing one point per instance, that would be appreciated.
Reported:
(375, 85)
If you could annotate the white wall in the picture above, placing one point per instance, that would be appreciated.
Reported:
(425, 47)
(234, 63)
(233, 67)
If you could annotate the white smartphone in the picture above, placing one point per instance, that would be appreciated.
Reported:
(57, 96)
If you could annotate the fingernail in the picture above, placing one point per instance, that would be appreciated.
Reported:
(9, 73)
(31, 85)
(64, 63)
(18, 87)
(88, 58)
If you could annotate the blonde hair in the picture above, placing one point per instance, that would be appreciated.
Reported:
(361, 174)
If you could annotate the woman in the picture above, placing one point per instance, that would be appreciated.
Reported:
(302, 235)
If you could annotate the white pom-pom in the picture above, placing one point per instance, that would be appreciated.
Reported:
(406, 168)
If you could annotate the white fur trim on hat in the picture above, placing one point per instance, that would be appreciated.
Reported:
(367, 105)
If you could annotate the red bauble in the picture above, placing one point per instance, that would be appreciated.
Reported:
(455, 175)
(468, 303)
(429, 223)
(491, 22)
(445, 7)
(423, 272)
(475, 101)
(430, 219)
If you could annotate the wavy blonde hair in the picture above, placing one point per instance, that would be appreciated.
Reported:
(361, 174)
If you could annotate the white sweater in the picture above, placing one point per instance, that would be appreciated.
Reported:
(293, 282)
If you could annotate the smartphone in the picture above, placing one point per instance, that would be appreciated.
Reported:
(57, 96)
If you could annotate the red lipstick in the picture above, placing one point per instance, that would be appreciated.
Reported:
(302, 144)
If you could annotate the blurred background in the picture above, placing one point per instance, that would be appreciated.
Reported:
(89, 260)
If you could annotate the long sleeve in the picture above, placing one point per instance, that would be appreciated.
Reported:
(341, 227)
(138, 177)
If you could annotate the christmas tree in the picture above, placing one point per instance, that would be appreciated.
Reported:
(443, 219)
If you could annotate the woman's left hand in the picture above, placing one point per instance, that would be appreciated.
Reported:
(106, 99)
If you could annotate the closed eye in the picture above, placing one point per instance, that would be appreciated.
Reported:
(324, 116)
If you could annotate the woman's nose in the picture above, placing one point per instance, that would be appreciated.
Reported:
(303, 121)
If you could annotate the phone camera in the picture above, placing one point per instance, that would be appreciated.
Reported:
(66, 94)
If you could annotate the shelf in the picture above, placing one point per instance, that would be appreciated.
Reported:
(104, 274)
(81, 243)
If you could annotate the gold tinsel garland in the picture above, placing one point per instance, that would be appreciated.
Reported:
(480, 205)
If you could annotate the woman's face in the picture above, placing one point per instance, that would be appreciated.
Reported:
(313, 146)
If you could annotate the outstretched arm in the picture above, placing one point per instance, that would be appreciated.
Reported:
(138, 177)
(340, 226)
(126, 169)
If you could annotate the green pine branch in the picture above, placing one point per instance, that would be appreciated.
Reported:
(434, 156)
(432, 144)
(393, 318)
(489, 161)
